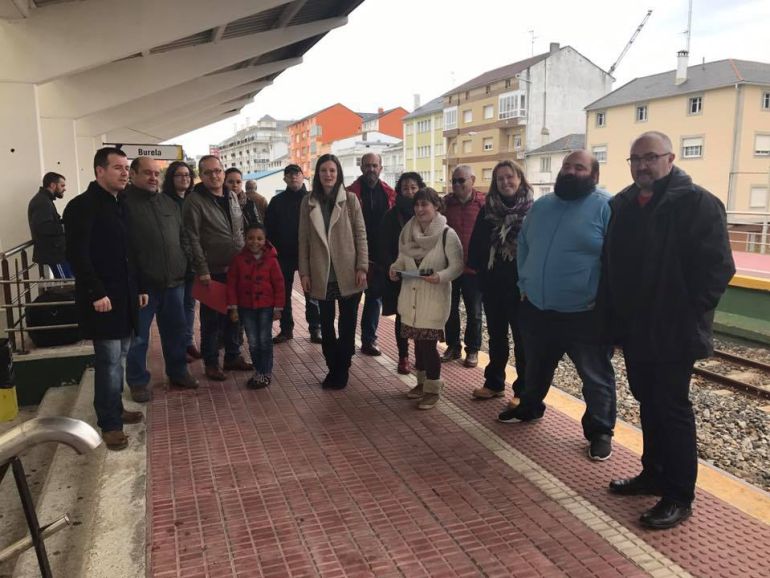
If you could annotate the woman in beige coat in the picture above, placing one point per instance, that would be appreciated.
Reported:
(430, 257)
(333, 262)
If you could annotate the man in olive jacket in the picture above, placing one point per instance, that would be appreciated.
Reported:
(668, 261)
(155, 236)
(213, 224)
(46, 228)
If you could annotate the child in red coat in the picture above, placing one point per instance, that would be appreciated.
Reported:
(255, 296)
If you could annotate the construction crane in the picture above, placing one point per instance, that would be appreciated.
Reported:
(630, 42)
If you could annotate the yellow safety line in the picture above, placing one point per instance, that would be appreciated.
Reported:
(749, 282)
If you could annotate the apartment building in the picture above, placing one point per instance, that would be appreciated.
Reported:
(717, 115)
(385, 121)
(505, 112)
(542, 165)
(254, 148)
(424, 151)
(311, 136)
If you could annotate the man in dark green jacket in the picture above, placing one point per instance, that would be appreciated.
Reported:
(155, 237)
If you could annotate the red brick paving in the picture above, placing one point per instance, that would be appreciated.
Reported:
(297, 481)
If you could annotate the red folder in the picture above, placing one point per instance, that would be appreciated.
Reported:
(213, 295)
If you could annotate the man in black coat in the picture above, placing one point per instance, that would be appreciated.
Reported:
(282, 224)
(668, 262)
(46, 227)
(105, 287)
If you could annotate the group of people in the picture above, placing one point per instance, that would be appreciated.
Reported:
(577, 271)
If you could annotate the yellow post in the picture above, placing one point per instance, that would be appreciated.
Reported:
(9, 406)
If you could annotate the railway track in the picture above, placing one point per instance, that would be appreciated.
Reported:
(732, 382)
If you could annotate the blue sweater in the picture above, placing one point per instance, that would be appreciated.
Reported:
(559, 251)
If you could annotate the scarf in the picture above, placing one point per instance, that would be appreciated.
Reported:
(405, 207)
(506, 222)
(414, 243)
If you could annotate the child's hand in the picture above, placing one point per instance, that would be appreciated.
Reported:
(234, 315)
(276, 314)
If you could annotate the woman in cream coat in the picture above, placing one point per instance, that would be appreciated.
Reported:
(429, 247)
(333, 261)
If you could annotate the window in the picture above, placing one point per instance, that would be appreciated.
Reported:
(508, 83)
(423, 125)
(758, 198)
(467, 146)
(409, 128)
(450, 118)
(762, 145)
(641, 113)
(517, 142)
(695, 105)
(486, 174)
(545, 164)
(438, 149)
(692, 148)
(437, 122)
(512, 105)
(600, 153)
(423, 152)
(601, 119)
(467, 116)
(488, 143)
(487, 89)
(467, 94)
(489, 112)
(766, 101)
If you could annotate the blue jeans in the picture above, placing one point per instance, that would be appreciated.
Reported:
(61, 271)
(548, 335)
(312, 315)
(109, 358)
(466, 286)
(370, 318)
(214, 324)
(258, 325)
(189, 313)
(167, 305)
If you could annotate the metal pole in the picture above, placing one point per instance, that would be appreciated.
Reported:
(31, 516)
(763, 244)
(8, 298)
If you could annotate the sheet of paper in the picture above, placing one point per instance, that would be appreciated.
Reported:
(213, 295)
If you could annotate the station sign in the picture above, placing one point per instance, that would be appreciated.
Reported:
(154, 151)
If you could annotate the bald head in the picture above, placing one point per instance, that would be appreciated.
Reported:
(651, 159)
(145, 173)
(581, 163)
(371, 167)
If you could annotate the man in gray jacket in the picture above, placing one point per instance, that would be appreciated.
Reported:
(155, 236)
(213, 223)
(45, 226)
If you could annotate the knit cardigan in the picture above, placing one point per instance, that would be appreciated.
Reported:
(424, 305)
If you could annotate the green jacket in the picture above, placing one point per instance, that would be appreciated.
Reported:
(155, 235)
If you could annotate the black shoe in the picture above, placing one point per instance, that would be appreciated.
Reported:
(516, 415)
(665, 514)
(451, 354)
(370, 349)
(336, 379)
(636, 486)
(600, 448)
(257, 382)
(315, 336)
(282, 338)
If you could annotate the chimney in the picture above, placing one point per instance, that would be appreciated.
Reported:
(380, 110)
(554, 48)
(416, 101)
(681, 67)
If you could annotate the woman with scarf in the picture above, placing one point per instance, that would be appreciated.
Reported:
(333, 261)
(430, 257)
(392, 223)
(492, 254)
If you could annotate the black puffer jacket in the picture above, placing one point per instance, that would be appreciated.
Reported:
(667, 265)
(282, 223)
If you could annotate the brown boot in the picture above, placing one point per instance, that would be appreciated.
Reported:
(417, 392)
(432, 389)
(140, 393)
(132, 417)
(115, 440)
(237, 364)
(213, 372)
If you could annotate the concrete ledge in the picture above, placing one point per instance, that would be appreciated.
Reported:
(742, 326)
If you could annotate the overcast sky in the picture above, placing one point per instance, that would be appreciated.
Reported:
(392, 49)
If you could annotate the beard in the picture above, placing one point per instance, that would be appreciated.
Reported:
(572, 187)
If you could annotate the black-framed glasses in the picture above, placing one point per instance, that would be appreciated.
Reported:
(458, 181)
(646, 159)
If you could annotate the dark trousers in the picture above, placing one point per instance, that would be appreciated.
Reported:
(109, 361)
(670, 457)
(401, 342)
(312, 315)
(466, 286)
(258, 326)
(214, 324)
(370, 317)
(548, 335)
(502, 314)
(426, 358)
(338, 350)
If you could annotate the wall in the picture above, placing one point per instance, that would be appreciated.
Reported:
(752, 170)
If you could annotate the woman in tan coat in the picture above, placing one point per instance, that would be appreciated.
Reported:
(333, 262)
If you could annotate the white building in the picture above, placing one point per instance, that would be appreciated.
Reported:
(544, 163)
(392, 163)
(254, 148)
(350, 150)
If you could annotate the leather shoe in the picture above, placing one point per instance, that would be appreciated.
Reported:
(213, 372)
(115, 440)
(132, 417)
(282, 338)
(140, 393)
(370, 349)
(186, 381)
(636, 486)
(451, 354)
(403, 365)
(471, 359)
(665, 514)
(237, 364)
(486, 393)
(315, 336)
(194, 352)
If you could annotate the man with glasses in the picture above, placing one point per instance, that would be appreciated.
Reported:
(462, 206)
(214, 225)
(376, 198)
(668, 261)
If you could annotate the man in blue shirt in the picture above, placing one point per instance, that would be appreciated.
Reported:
(559, 263)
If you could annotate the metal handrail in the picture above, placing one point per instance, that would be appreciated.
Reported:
(17, 249)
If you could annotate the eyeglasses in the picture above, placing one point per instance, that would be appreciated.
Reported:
(211, 172)
(182, 176)
(646, 159)
(458, 181)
